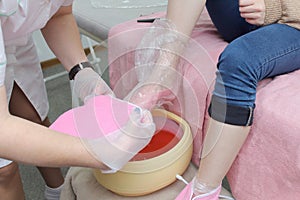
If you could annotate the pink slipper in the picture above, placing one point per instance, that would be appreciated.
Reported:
(187, 193)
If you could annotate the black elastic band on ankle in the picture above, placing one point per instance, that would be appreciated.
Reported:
(230, 114)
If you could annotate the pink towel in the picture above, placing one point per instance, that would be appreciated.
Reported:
(268, 166)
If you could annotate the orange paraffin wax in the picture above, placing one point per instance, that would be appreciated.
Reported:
(161, 142)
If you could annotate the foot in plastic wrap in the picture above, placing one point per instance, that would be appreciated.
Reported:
(187, 194)
(150, 96)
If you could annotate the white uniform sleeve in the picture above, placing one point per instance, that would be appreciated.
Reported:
(2, 58)
(67, 2)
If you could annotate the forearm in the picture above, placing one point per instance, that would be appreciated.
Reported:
(184, 14)
(62, 36)
(169, 36)
(158, 73)
(37, 145)
(27, 142)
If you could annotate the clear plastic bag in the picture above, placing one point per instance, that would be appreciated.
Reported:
(88, 83)
(112, 130)
(156, 60)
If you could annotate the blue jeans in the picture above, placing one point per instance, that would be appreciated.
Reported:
(254, 53)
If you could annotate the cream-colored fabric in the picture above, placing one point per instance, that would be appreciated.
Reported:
(273, 11)
(283, 11)
(80, 184)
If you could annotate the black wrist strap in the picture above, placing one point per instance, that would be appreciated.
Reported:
(77, 68)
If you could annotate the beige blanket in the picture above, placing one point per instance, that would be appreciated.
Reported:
(80, 184)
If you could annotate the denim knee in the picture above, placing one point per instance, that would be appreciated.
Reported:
(234, 95)
(245, 61)
(236, 78)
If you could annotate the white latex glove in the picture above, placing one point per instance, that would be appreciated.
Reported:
(116, 149)
(159, 89)
(87, 84)
(113, 130)
(156, 61)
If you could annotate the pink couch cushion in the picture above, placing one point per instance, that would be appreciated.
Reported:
(268, 166)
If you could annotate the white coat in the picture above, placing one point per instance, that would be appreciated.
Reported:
(18, 57)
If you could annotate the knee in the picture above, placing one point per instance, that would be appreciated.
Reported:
(237, 75)
(8, 173)
(236, 62)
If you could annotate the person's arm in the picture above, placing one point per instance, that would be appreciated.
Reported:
(62, 36)
(265, 12)
(184, 14)
(273, 11)
(158, 78)
(30, 143)
(290, 13)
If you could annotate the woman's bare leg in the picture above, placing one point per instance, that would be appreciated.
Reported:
(11, 187)
(220, 148)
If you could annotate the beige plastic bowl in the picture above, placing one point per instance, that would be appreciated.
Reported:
(142, 177)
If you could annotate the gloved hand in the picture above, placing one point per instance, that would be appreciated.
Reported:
(112, 130)
(87, 84)
(156, 60)
(157, 90)
(116, 149)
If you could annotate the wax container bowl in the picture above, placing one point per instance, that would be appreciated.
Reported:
(143, 177)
